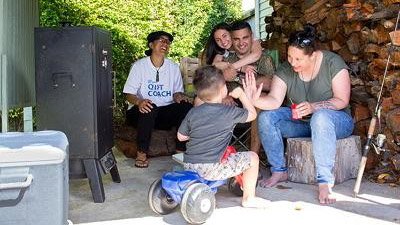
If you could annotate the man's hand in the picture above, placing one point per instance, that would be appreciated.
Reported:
(145, 105)
(180, 97)
(249, 69)
(236, 93)
(229, 73)
(221, 65)
(228, 100)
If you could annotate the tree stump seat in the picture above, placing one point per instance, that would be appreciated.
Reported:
(301, 164)
(162, 142)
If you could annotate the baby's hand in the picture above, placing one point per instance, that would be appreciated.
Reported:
(236, 93)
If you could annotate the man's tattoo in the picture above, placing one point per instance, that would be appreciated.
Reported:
(324, 105)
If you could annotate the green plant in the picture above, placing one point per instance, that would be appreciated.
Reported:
(129, 22)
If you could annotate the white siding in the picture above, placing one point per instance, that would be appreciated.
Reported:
(17, 21)
(262, 10)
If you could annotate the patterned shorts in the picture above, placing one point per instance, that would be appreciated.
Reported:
(234, 165)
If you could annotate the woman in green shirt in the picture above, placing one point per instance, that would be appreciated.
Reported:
(318, 84)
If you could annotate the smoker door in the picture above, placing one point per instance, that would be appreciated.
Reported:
(65, 86)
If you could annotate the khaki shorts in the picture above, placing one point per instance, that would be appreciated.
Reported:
(234, 165)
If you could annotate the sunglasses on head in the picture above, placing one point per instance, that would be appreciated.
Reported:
(303, 42)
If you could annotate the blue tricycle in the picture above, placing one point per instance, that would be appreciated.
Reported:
(195, 194)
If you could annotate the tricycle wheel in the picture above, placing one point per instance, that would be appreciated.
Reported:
(159, 200)
(198, 203)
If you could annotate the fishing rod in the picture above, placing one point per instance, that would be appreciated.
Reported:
(380, 138)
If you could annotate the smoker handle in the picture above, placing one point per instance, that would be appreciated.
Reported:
(59, 75)
(18, 185)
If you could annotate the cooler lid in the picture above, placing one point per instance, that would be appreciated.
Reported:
(31, 155)
(20, 139)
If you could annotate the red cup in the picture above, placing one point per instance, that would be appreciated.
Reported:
(295, 116)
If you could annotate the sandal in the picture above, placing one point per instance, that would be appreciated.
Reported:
(141, 160)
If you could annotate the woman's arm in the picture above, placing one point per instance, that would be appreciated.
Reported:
(219, 63)
(341, 87)
(255, 54)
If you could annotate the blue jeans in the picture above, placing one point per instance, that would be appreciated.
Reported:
(324, 128)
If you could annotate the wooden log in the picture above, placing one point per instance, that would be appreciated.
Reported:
(368, 36)
(360, 112)
(128, 148)
(395, 160)
(359, 95)
(361, 129)
(392, 139)
(301, 165)
(367, 9)
(388, 12)
(335, 46)
(372, 48)
(388, 24)
(396, 96)
(354, 43)
(347, 56)
(374, 71)
(336, 3)
(349, 28)
(389, 2)
(356, 13)
(387, 104)
(393, 122)
(381, 34)
(315, 12)
(162, 143)
(392, 80)
(352, 10)
(330, 24)
(340, 39)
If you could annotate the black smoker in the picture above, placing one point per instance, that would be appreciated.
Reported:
(74, 95)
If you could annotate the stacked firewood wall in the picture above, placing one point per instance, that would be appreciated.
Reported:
(359, 32)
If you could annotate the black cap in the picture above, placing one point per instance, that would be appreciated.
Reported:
(157, 34)
(154, 36)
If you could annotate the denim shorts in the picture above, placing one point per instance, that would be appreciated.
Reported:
(235, 164)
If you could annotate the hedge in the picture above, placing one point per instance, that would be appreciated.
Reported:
(129, 22)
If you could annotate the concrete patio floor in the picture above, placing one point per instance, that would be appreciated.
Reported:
(291, 203)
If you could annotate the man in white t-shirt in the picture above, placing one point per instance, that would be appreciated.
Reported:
(154, 90)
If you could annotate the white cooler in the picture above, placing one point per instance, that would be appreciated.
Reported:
(33, 178)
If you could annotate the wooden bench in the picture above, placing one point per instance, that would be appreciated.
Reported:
(301, 164)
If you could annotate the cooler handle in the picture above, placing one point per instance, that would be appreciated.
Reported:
(19, 185)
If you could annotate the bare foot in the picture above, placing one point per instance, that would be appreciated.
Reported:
(275, 178)
(326, 196)
(255, 202)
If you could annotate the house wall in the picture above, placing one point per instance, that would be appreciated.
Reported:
(249, 17)
(262, 9)
(17, 21)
